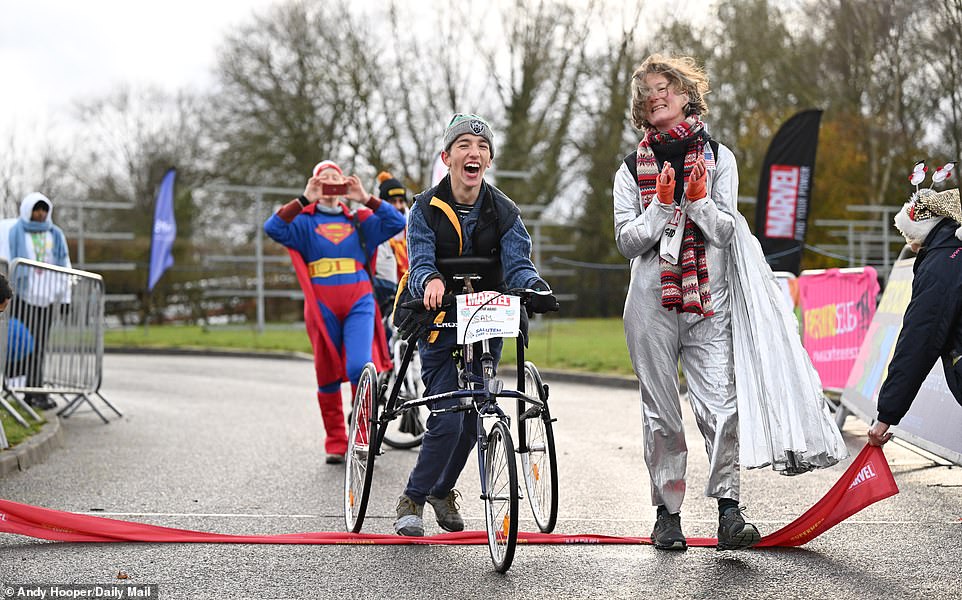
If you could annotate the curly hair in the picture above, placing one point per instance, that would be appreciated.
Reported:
(684, 76)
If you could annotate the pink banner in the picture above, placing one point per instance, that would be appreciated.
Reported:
(866, 481)
(837, 308)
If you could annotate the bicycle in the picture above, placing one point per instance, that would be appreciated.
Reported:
(495, 448)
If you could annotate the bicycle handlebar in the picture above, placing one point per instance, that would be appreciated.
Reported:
(417, 305)
(448, 300)
(526, 293)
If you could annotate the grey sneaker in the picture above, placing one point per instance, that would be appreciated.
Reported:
(734, 533)
(409, 520)
(446, 511)
(667, 534)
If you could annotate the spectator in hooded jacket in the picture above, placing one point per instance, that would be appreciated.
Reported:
(38, 292)
(932, 325)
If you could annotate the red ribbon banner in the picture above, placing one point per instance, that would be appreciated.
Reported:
(867, 480)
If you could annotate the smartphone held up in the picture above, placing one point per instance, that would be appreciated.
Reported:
(334, 189)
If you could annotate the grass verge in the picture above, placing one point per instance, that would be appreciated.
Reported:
(274, 338)
(591, 345)
(16, 432)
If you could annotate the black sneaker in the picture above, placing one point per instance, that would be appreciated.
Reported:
(734, 533)
(41, 401)
(667, 534)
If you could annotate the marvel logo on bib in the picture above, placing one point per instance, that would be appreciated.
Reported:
(487, 315)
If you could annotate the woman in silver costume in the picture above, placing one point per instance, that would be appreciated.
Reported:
(674, 207)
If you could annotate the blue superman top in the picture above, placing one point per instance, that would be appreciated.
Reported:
(317, 233)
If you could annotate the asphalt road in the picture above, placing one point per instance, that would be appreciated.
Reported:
(233, 445)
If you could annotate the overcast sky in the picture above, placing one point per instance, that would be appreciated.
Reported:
(54, 51)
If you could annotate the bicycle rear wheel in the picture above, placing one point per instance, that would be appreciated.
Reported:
(501, 497)
(361, 450)
(407, 430)
(539, 461)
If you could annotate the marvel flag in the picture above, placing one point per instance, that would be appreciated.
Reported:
(165, 230)
(866, 481)
(781, 214)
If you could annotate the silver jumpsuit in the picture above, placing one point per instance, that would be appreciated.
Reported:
(657, 337)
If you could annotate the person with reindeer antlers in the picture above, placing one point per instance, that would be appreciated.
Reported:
(931, 223)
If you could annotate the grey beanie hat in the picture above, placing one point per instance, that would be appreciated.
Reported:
(473, 124)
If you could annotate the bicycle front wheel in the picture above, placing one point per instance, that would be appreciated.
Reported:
(361, 450)
(539, 461)
(501, 497)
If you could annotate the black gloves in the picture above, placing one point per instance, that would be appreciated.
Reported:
(414, 321)
(542, 303)
(416, 325)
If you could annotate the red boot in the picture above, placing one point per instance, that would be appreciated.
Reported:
(332, 412)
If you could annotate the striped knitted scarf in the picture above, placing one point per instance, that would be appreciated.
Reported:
(684, 287)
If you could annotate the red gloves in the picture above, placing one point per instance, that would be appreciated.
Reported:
(665, 184)
(696, 181)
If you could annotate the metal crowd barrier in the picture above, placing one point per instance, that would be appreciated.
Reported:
(836, 314)
(51, 341)
(4, 443)
(788, 284)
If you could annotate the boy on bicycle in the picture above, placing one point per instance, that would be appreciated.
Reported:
(462, 216)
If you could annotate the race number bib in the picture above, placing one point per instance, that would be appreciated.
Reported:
(487, 315)
(670, 248)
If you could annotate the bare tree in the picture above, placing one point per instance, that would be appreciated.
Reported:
(295, 89)
(282, 101)
(422, 88)
(129, 138)
(27, 167)
(874, 67)
(547, 64)
(945, 45)
(607, 138)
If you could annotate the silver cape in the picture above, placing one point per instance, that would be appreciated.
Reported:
(783, 418)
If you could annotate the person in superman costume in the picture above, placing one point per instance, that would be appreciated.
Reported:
(332, 250)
